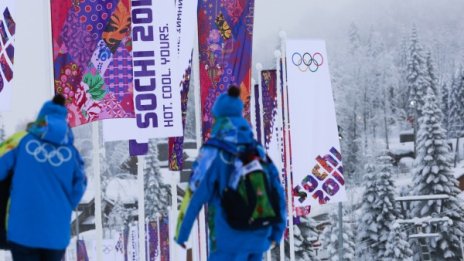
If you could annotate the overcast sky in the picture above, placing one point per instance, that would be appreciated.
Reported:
(323, 19)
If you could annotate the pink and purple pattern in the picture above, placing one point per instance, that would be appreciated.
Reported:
(225, 46)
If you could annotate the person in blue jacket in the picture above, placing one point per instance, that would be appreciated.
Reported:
(48, 183)
(211, 172)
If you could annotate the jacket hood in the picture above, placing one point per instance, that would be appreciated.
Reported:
(51, 124)
(235, 130)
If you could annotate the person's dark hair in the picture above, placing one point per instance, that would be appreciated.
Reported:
(233, 91)
(59, 99)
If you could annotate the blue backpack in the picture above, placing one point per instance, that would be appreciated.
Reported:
(250, 200)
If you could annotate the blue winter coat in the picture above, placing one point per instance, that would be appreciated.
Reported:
(48, 182)
(214, 167)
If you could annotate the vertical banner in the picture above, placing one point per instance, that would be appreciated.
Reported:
(133, 244)
(225, 47)
(164, 239)
(7, 49)
(257, 113)
(185, 33)
(81, 251)
(153, 241)
(315, 159)
(156, 91)
(92, 58)
(269, 101)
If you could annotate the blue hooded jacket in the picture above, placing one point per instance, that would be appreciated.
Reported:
(48, 182)
(211, 172)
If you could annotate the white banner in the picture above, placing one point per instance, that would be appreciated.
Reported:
(316, 161)
(156, 93)
(133, 244)
(7, 50)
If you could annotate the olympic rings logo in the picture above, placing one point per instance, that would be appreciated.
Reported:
(306, 61)
(47, 152)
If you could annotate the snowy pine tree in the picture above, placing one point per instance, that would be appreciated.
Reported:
(305, 234)
(157, 193)
(416, 73)
(456, 108)
(118, 216)
(378, 208)
(432, 175)
(445, 105)
(329, 240)
(398, 248)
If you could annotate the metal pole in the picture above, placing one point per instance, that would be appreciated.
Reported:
(462, 248)
(340, 231)
(98, 189)
(283, 37)
(141, 206)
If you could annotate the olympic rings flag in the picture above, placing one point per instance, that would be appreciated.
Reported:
(156, 85)
(316, 160)
(7, 49)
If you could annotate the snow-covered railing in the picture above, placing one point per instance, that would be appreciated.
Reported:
(424, 235)
(423, 220)
(423, 197)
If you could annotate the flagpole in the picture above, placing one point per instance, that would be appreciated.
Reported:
(98, 189)
(283, 37)
(259, 68)
(253, 107)
(141, 206)
(197, 92)
(279, 123)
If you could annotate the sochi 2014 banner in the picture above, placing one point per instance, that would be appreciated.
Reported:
(92, 58)
(316, 160)
(225, 44)
(269, 101)
(185, 33)
(156, 89)
(7, 49)
(153, 241)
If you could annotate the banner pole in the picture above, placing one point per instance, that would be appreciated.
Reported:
(98, 189)
(283, 38)
(141, 206)
(278, 56)
(253, 108)
(259, 68)
(199, 140)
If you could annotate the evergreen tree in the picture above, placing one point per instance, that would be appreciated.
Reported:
(378, 208)
(416, 73)
(431, 73)
(398, 248)
(432, 175)
(445, 105)
(157, 193)
(118, 216)
(329, 239)
(456, 108)
(305, 234)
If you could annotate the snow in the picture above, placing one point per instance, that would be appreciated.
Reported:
(423, 220)
(122, 189)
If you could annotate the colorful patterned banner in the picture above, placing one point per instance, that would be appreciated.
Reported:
(81, 251)
(225, 46)
(176, 144)
(257, 124)
(92, 58)
(164, 239)
(153, 241)
(317, 171)
(7, 49)
(269, 101)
